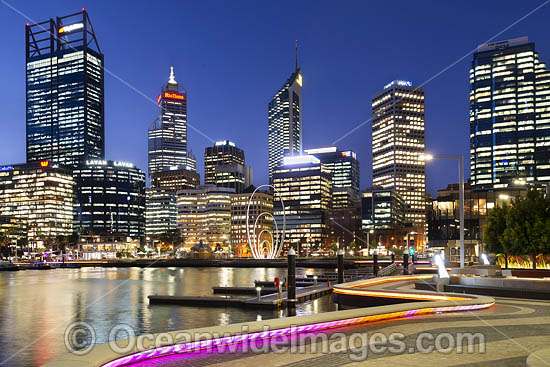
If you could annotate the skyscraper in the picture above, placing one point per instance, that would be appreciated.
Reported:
(65, 97)
(285, 121)
(398, 140)
(304, 185)
(345, 173)
(509, 118)
(224, 166)
(110, 199)
(168, 134)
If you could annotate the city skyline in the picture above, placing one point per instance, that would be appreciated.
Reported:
(252, 127)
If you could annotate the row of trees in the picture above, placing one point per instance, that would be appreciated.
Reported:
(522, 228)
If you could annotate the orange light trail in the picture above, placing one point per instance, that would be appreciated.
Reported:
(392, 294)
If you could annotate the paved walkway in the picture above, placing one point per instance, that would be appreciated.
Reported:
(513, 329)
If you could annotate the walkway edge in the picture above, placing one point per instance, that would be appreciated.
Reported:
(102, 354)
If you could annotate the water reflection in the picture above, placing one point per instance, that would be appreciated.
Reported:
(37, 306)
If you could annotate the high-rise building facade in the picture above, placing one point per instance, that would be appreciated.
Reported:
(160, 212)
(167, 136)
(345, 175)
(110, 199)
(175, 179)
(204, 214)
(260, 211)
(41, 194)
(343, 164)
(304, 184)
(285, 122)
(224, 166)
(64, 91)
(509, 115)
(382, 209)
(398, 141)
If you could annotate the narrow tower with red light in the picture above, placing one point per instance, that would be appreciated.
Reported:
(167, 136)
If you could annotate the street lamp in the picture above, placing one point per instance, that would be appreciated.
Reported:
(368, 240)
(408, 233)
(460, 159)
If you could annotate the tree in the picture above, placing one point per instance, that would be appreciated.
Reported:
(494, 232)
(62, 242)
(528, 225)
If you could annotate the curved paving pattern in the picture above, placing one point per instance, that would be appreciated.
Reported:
(513, 330)
(348, 321)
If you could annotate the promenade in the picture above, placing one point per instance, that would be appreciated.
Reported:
(513, 330)
(510, 329)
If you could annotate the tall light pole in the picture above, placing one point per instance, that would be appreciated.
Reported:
(408, 246)
(368, 240)
(460, 159)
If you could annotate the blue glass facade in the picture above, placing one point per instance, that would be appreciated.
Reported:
(509, 115)
(65, 91)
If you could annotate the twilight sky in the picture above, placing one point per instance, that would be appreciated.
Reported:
(232, 56)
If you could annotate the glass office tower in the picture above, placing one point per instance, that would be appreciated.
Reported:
(224, 166)
(110, 199)
(167, 135)
(65, 96)
(343, 164)
(509, 115)
(285, 122)
(305, 185)
(398, 140)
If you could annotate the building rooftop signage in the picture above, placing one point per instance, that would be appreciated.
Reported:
(71, 28)
(225, 142)
(300, 159)
(400, 83)
(502, 44)
(321, 150)
(178, 96)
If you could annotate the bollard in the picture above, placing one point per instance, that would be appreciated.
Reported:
(258, 291)
(392, 258)
(405, 263)
(340, 257)
(375, 264)
(315, 280)
(291, 291)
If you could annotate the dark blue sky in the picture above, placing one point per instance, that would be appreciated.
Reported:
(233, 56)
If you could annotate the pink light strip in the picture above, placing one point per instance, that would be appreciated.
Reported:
(224, 341)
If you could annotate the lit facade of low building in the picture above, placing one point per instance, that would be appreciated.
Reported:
(259, 215)
(175, 178)
(161, 212)
(305, 186)
(204, 214)
(444, 219)
(13, 229)
(40, 193)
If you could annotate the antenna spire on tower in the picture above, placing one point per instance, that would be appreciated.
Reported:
(172, 79)
(296, 55)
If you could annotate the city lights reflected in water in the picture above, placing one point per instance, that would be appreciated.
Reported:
(37, 306)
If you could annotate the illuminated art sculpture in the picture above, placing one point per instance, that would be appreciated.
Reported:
(262, 247)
